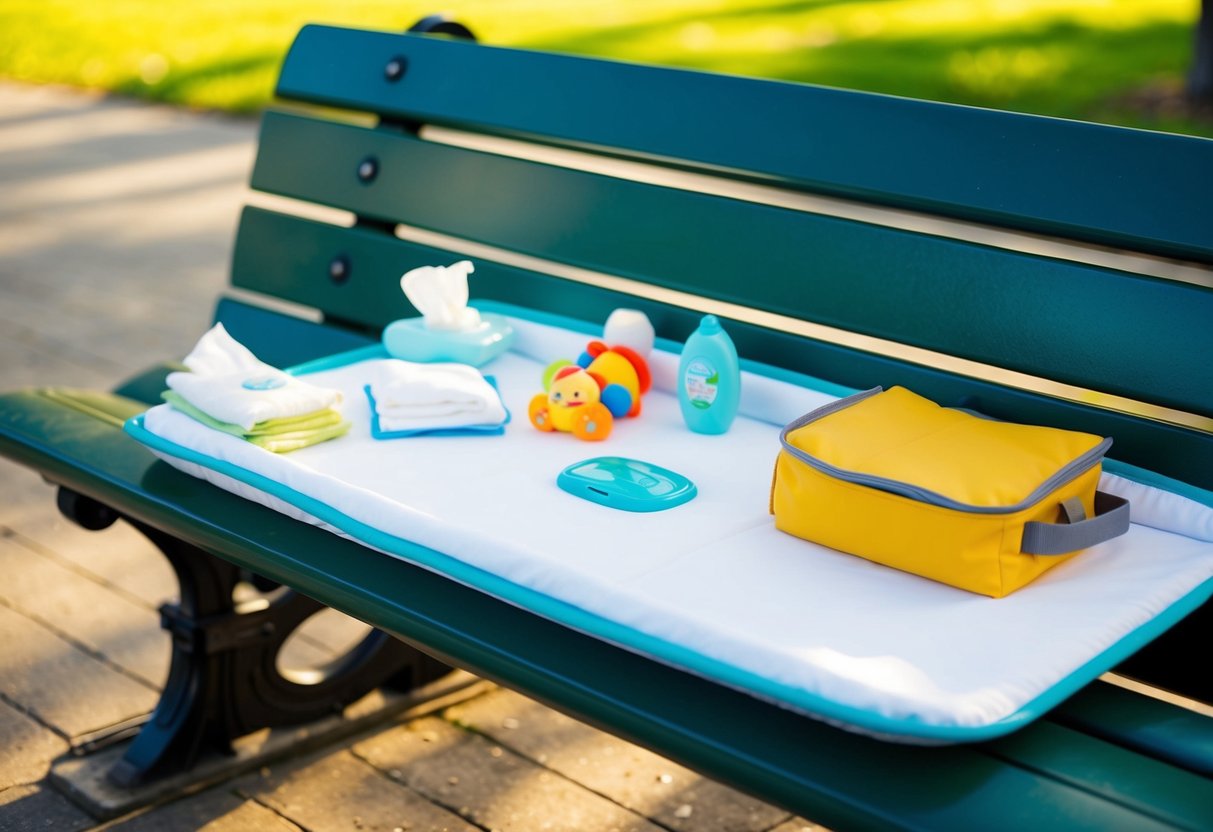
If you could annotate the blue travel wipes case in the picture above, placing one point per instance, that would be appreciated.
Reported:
(410, 339)
(626, 484)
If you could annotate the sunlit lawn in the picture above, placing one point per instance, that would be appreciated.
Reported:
(1073, 58)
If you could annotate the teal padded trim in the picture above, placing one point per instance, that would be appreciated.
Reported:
(1147, 477)
(1031, 172)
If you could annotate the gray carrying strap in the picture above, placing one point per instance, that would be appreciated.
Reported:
(1078, 532)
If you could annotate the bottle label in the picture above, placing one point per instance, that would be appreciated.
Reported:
(701, 382)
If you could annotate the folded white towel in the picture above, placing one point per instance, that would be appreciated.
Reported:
(230, 384)
(429, 411)
(412, 396)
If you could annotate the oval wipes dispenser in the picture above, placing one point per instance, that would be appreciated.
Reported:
(626, 484)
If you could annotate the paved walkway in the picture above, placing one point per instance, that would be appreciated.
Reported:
(116, 221)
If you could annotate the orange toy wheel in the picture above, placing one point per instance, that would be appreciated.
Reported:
(594, 423)
(538, 413)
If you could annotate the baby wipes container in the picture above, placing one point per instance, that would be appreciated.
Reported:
(448, 329)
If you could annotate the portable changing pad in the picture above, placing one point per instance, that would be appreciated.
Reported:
(711, 587)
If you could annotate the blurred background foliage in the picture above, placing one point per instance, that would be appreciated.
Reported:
(1118, 61)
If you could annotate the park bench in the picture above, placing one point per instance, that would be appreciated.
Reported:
(1040, 270)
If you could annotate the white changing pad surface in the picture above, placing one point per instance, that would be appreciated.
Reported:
(711, 586)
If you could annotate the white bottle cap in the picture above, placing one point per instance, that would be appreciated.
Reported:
(630, 328)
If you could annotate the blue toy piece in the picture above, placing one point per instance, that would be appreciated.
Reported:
(617, 400)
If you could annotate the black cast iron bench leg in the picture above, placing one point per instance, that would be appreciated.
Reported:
(224, 681)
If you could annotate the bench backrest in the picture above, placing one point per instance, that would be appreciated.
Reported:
(1037, 269)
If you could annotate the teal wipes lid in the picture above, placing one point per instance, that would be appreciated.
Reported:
(626, 484)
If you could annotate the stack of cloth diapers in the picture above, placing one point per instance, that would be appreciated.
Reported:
(409, 399)
(231, 390)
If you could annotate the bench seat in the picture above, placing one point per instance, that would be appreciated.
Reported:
(1082, 773)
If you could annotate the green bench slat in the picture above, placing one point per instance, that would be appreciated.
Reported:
(804, 765)
(1147, 339)
(1029, 172)
(149, 384)
(288, 256)
(1117, 774)
(1158, 729)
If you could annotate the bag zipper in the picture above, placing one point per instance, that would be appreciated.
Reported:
(1067, 472)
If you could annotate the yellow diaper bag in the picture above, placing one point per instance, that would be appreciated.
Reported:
(950, 495)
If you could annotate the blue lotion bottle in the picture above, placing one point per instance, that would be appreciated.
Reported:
(709, 379)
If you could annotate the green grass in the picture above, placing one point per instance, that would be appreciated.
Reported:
(1089, 59)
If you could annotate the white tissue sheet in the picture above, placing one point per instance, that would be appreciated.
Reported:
(440, 294)
(711, 586)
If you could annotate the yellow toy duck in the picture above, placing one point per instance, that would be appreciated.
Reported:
(585, 398)
(573, 404)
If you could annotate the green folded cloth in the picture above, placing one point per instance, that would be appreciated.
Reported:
(284, 442)
(277, 435)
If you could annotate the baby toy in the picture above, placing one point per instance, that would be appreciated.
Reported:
(586, 398)
(573, 404)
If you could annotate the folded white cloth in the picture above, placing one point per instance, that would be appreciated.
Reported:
(413, 396)
(228, 383)
(217, 353)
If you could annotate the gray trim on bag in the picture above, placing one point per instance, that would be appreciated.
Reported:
(1066, 473)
